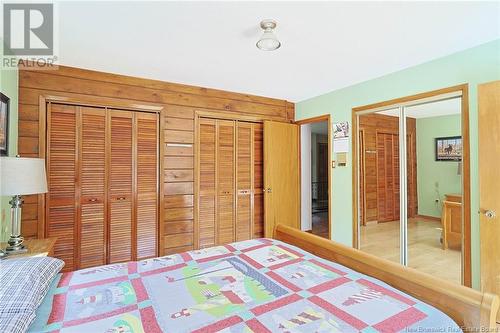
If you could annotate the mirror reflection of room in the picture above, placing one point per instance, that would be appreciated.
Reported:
(434, 186)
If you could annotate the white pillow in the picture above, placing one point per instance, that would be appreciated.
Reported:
(24, 282)
(16, 323)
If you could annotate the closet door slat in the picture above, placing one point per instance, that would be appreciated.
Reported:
(225, 181)
(258, 180)
(207, 183)
(395, 176)
(93, 187)
(120, 186)
(244, 182)
(147, 184)
(61, 199)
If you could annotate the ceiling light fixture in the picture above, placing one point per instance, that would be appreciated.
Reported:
(268, 41)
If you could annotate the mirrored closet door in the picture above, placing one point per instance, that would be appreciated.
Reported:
(410, 185)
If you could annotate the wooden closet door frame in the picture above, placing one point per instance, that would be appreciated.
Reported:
(99, 102)
(216, 115)
(327, 118)
(362, 175)
(466, 212)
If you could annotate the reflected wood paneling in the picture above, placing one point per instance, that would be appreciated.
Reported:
(380, 167)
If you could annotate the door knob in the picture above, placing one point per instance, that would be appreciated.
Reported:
(490, 214)
(269, 190)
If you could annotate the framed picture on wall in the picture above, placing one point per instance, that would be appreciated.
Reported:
(4, 125)
(449, 148)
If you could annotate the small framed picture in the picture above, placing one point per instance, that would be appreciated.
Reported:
(4, 125)
(449, 148)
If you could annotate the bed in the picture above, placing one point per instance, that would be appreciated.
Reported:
(296, 282)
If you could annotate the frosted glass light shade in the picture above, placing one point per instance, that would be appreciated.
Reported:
(22, 176)
(268, 41)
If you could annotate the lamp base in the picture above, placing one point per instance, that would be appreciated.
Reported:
(16, 240)
(16, 251)
(15, 245)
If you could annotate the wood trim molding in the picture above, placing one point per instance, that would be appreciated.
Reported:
(464, 89)
(428, 217)
(472, 309)
(317, 119)
(325, 117)
(232, 116)
(73, 72)
(103, 102)
(410, 98)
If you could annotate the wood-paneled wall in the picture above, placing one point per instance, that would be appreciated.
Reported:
(180, 102)
(369, 126)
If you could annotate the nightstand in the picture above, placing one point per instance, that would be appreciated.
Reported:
(36, 248)
(451, 221)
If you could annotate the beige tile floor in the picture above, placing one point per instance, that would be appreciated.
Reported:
(425, 252)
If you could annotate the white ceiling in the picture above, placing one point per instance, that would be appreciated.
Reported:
(325, 45)
(432, 109)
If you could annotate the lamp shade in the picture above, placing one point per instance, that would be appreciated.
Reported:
(22, 176)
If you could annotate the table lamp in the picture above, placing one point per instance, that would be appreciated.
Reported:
(20, 176)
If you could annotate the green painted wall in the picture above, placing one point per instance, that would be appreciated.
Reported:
(473, 66)
(9, 87)
(435, 179)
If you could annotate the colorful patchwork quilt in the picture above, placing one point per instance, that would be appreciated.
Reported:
(259, 285)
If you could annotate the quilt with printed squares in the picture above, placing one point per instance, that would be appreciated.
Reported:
(259, 285)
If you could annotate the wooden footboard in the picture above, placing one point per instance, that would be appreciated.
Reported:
(469, 308)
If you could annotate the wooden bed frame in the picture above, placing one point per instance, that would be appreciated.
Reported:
(469, 308)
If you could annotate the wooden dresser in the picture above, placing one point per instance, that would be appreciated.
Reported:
(451, 221)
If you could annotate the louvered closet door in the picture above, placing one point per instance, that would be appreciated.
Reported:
(225, 181)
(93, 198)
(61, 199)
(388, 176)
(146, 125)
(207, 182)
(244, 181)
(121, 230)
(230, 181)
(258, 181)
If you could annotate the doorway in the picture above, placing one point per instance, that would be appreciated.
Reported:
(412, 199)
(315, 175)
